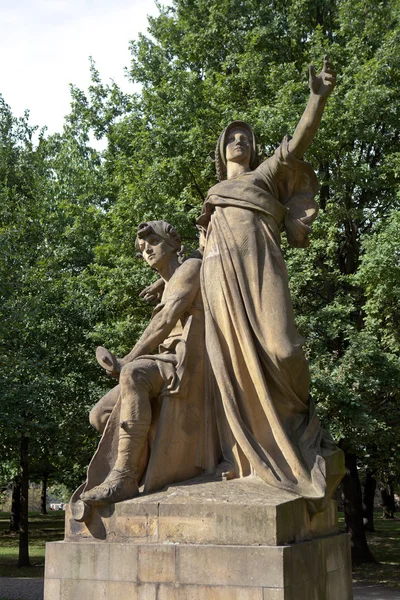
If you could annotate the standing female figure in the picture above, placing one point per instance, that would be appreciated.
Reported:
(267, 423)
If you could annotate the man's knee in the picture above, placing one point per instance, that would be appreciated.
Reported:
(142, 375)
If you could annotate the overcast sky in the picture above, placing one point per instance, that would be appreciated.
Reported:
(45, 45)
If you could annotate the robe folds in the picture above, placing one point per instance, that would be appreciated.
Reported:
(266, 420)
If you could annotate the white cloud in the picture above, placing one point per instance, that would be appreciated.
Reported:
(45, 45)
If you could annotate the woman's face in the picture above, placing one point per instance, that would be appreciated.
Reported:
(238, 146)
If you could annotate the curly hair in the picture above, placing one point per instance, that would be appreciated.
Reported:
(163, 230)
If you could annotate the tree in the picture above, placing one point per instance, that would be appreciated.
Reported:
(49, 219)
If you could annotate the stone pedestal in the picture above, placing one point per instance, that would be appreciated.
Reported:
(236, 540)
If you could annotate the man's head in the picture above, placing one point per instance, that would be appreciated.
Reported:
(157, 241)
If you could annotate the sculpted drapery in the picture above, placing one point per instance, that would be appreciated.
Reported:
(252, 343)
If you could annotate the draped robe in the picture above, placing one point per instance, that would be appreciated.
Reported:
(266, 420)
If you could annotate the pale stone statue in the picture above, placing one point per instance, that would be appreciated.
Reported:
(266, 421)
(257, 375)
(143, 437)
(224, 396)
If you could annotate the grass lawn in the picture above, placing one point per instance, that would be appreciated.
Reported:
(384, 544)
(42, 529)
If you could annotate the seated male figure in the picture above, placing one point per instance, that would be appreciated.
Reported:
(144, 376)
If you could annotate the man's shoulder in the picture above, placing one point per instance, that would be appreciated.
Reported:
(190, 268)
(185, 279)
(185, 282)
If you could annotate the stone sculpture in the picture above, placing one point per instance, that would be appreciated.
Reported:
(135, 413)
(266, 420)
(226, 395)
(257, 372)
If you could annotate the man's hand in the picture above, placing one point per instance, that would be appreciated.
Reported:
(108, 361)
(323, 84)
(153, 293)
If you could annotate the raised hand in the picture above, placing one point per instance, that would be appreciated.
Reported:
(323, 84)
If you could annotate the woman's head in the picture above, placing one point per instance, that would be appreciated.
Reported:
(236, 143)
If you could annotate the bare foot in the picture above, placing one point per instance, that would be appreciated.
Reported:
(118, 486)
(224, 471)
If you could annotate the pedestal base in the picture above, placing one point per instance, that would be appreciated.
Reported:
(316, 570)
(239, 540)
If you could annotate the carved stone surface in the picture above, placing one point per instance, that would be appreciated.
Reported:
(267, 422)
(203, 511)
(239, 539)
(153, 422)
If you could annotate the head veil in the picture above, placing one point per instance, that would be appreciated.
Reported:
(220, 150)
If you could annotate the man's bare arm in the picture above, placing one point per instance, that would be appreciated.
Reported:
(183, 288)
(321, 87)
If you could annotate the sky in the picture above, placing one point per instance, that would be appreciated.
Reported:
(45, 45)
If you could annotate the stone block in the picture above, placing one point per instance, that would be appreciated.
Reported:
(157, 563)
(138, 529)
(334, 552)
(223, 524)
(132, 522)
(123, 562)
(145, 591)
(75, 589)
(246, 566)
(292, 522)
(275, 593)
(303, 562)
(235, 540)
(209, 592)
(339, 584)
(325, 523)
(241, 511)
(102, 590)
(122, 590)
(308, 590)
(77, 561)
(52, 589)
(94, 561)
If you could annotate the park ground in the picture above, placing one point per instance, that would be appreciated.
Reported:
(384, 544)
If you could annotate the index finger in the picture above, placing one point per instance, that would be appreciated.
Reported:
(327, 63)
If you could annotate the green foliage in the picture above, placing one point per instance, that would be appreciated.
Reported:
(50, 212)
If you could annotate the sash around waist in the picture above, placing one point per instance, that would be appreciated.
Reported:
(248, 196)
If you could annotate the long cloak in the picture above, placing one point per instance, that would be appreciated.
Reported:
(267, 423)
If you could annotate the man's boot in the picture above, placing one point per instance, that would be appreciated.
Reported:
(121, 483)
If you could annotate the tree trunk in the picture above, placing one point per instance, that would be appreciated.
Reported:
(388, 504)
(368, 501)
(352, 505)
(15, 506)
(23, 556)
(43, 497)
